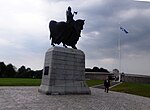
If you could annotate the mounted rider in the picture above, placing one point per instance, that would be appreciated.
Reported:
(70, 21)
(70, 16)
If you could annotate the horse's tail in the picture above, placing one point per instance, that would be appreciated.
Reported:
(52, 25)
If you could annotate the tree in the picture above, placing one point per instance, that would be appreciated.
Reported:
(28, 73)
(10, 71)
(95, 69)
(21, 71)
(88, 70)
(103, 70)
(2, 69)
(38, 73)
(24, 72)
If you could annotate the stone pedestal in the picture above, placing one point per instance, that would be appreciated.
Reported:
(64, 72)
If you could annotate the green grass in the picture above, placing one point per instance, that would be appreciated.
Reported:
(34, 82)
(133, 88)
(19, 82)
(94, 82)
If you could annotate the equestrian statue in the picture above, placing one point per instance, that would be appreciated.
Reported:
(68, 32)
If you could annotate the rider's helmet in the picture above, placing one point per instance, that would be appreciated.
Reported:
(69, 8)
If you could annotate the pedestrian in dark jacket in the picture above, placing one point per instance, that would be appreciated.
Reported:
(106, 84)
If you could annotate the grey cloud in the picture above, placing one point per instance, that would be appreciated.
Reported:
(99, 38)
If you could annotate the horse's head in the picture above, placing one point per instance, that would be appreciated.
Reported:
(79, 24)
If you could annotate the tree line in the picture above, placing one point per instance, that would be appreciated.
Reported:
(96, 69)
(10, 71)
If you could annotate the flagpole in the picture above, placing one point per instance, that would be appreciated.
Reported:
(119, 48)
(120, 54)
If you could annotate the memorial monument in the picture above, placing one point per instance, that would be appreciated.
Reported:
(64, 68)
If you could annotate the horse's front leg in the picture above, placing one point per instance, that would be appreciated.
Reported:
(74, 47)
(64, 45)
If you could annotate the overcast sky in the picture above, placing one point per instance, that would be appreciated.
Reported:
(24, 33)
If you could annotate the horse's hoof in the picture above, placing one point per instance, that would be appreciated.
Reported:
(65, 46)
(53, 45)
(74, 47)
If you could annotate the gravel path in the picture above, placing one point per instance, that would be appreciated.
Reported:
(28, 98)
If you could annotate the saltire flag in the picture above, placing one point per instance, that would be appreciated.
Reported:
(124, 30)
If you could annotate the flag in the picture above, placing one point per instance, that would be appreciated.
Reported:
(124, 30)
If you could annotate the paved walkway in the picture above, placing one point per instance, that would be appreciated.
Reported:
(28, 98)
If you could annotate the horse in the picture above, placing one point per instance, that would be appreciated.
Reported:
(66, 33)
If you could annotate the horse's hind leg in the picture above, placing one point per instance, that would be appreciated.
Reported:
(52, 43)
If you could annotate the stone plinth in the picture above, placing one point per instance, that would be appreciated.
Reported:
(64, 72)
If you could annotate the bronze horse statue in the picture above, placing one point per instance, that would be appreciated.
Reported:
(66, 33)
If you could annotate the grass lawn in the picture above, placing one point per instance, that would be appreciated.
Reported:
(19, 82)
(35, 82)
(133, 88)
(94, 82)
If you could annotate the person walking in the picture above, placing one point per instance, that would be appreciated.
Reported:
(106, 84)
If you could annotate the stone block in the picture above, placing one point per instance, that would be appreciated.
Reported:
(63, 72)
